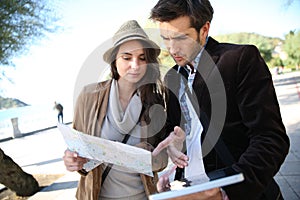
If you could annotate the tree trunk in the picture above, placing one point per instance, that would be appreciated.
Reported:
(13, 177)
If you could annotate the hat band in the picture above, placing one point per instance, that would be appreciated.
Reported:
(129, 36)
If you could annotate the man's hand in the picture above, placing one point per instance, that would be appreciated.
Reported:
(212, 194)
(163, 183)
(174, 144)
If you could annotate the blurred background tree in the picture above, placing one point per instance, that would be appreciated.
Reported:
(292, 48)
(21, 24)
(266, 45)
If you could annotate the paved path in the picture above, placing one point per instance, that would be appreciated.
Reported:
(41, 153)
(288, 92)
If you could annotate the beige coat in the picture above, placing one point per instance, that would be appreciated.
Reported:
(90, 112)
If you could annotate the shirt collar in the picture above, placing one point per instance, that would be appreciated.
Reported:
(197, 58)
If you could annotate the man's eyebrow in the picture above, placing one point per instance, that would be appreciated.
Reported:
(180, 35)
(176, 36)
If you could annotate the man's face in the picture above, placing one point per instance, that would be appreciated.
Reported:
(181, 40)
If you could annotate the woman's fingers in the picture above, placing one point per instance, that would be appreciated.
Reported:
(72, 161)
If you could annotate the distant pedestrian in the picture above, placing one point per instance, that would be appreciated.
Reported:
(59, 108)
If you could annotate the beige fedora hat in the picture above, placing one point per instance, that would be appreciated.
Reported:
(130, 30)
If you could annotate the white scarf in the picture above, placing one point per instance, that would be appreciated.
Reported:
(118, 123)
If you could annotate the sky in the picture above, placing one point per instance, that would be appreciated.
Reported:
(52, 68)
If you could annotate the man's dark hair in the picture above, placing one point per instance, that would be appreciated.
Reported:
(199, 11)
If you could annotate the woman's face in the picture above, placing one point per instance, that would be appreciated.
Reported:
(131, 62)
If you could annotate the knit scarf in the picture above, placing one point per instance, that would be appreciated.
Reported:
(124, 122)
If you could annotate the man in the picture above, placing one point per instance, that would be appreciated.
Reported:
(223, 94)
(59, 108)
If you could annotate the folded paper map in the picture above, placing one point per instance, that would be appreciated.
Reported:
(99, 150)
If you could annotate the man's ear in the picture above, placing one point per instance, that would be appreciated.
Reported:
(204, 33)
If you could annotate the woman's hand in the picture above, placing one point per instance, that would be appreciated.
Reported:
(174, 144)
(159, 161)
(145, 145)
(73, 161)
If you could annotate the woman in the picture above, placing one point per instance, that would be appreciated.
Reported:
(124, 105)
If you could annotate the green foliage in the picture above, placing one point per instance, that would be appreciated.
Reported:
(166, 61)
(276, 62)
(266, 45)
(292, 48)
(21, 23)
